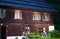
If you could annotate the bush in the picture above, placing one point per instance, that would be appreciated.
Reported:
(37, 33)
(32, 33)
(55, 34)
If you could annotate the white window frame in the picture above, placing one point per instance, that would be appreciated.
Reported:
(51, 28)
(36, 16)
(18, 14)
(46, 17)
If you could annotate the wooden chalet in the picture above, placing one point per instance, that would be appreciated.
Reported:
(18, 16)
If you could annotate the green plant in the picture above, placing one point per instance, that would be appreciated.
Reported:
(55, 34)
(32, 33)
(37, 33)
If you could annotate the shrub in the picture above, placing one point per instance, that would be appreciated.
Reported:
(32, 33)
(55, 34)
(37, 33)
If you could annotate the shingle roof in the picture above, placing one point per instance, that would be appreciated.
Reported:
(33, 5)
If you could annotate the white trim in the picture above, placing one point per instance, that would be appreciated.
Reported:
(18, 14)
(14, 37)
(51, 28)
(36, 16)
(46, 17)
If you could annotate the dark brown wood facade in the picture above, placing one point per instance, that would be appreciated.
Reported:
(14, 27)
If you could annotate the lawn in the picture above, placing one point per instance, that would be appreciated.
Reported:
(44, 38)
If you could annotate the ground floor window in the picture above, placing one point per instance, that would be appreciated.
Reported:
(40, 30)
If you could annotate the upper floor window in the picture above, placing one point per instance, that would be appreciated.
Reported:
(2, 13)
(18, 14)
(46, 17)
(36, 16)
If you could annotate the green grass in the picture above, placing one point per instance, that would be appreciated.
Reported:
(44, 38)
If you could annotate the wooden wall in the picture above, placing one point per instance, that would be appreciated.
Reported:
(14, 26)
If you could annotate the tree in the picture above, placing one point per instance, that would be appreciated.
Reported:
(56, 16)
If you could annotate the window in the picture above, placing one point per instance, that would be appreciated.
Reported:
(36, 16)
(46, 17)
(18, 14)
(2, 13)
(51, 28)
(41, 30)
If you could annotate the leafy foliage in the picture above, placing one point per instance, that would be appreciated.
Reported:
(55, 34)
(56, 16)
(37, 33)
(44, 38)
(34, 33)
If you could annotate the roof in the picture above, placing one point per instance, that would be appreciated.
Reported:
(32, 5)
